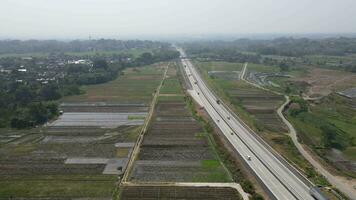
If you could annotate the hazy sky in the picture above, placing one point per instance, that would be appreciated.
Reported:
(125, 18)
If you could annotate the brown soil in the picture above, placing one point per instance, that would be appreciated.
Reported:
(325, 81)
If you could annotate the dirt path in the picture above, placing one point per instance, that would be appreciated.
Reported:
(346, 186)
(143, 131)
(343, 184)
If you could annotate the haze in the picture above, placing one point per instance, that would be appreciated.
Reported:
(134, 18)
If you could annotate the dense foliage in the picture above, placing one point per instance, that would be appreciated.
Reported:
(51, 46)
(332, 136)
(282, 52)
(280, 46)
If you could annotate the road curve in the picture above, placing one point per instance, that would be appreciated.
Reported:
(345, 186)
(281, 182)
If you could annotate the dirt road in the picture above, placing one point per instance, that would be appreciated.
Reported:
(343, 184)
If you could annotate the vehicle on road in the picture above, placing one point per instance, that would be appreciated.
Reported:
(248, 157)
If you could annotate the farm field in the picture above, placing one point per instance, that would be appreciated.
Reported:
(259, 104)
(81, 154)
(175, 147)
(171, 192)
(136, 86)
(36, 164)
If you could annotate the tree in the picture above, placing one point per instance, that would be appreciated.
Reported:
(24, 95)
(288, 90)
(283, 66)
(100, 64)
(49, 92)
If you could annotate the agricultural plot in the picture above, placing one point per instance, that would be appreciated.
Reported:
(135, 86)
(173, 193)
(171, 89)
(65, 162)
(96, 119)
(260, 104)
(80, 154)
(176, 149)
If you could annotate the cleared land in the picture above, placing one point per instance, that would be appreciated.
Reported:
(324, 81)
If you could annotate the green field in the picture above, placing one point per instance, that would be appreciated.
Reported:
(136, 85)
(61, 186)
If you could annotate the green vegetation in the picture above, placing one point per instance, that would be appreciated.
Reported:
(135, 117)
(171, 86)
(135, 85)
(64, 186)
(326, 125)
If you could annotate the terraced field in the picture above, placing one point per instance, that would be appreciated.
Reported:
(176, 147)
(35, 165)
(261, 105)
(81, 154)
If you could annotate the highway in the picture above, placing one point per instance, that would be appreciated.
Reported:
(278, 178)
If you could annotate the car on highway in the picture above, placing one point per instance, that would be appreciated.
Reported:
(248, 157)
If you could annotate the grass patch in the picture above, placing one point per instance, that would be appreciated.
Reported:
(210, 164)
(135, 117)
(171, 86)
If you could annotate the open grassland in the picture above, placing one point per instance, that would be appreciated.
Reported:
(222, 66)
(136, 85)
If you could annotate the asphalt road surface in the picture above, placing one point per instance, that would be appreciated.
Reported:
(280, 181)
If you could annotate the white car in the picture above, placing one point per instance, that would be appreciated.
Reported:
(248, 157)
